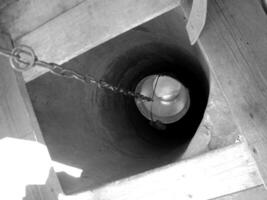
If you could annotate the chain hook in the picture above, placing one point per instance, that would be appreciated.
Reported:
(23, 58)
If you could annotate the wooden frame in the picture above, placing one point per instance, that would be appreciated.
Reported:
(232, 48)
(62, 35)
(204, 177)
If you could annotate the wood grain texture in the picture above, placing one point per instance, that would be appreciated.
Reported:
(86, 26)
(21, 17)
(234, 45)
(257, 193)
(18, 119)
(204, 177)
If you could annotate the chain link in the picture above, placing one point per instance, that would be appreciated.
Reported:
(23, 58)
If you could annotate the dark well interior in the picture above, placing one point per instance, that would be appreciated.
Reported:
(103, 133)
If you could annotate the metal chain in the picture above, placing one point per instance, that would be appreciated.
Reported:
(23, 58)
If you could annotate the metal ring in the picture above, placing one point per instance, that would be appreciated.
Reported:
(17, 63)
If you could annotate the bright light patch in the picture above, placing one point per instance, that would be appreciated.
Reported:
(23, 163)
(72, 171)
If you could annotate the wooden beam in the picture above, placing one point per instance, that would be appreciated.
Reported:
(256, 193)
(21, 17)
(18, 119)
(233, 43)
(211, 175)
(79, 29)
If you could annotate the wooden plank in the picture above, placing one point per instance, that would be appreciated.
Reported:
(257, 193)
(17, 117)
(88, 25)
(211, 175)
(23, 16)
(234, 46)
